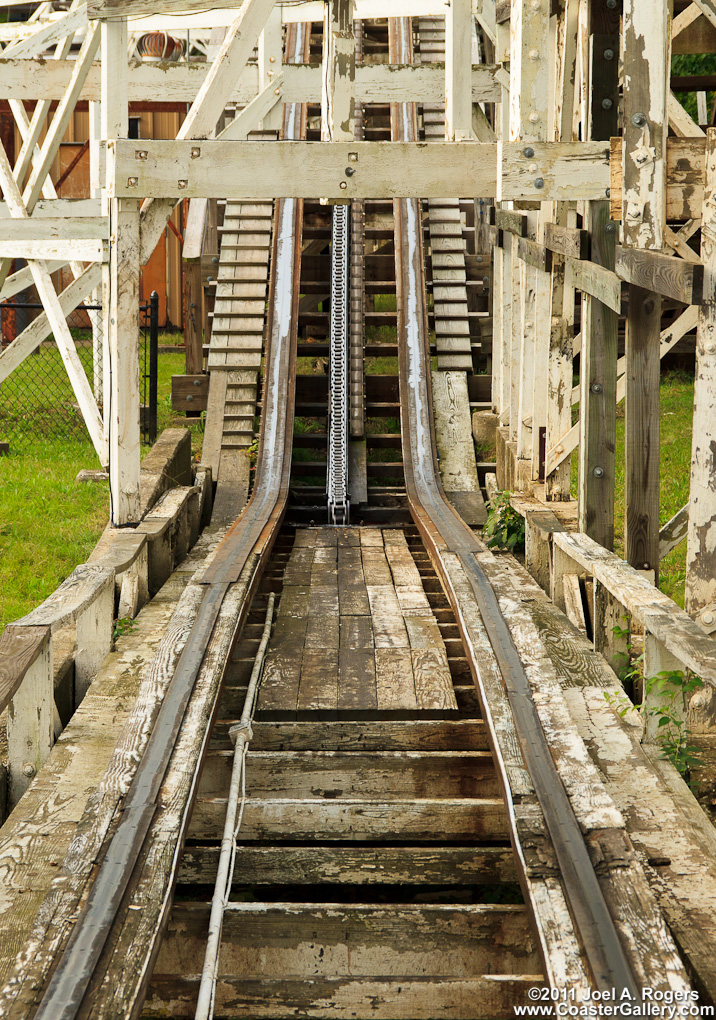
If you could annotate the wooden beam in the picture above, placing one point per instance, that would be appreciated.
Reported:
(48, 35)
(667, 275)
(458, 45)
(567, 241)
(338, 72)
(536, 255)
(685, 167)
(53, 310)
(598, 282)
(701, 540)
(647, 50)
(511, 221)
(559, 171)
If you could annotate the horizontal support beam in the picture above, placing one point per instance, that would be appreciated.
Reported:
(511, 222)
(313, 11)
(169, 82)
(77, 250)
(559, 171)
(668, 275)
(598, 282)
(57, 208)
(534, 254)
(45, 228)
(567, 240)
(263, 170)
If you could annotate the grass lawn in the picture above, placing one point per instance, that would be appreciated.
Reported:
(48, 522)
(677, 397)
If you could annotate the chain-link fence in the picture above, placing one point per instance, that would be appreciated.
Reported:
(36, 400)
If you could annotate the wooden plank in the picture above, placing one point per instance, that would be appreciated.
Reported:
(597, 281)
(19, 649)
(356, 819)
(318, 687)
(279, 999)
(511, 221)
(685, 168)
(315, 865)
(674, 531)
(536, 255)
(664, 274)
(395, 684)
(366, 735)
(567, 240)
(573, 601)
(700, 587)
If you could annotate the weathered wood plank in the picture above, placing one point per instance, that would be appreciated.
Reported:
(567, 240)
(667, 275)
(458, 734)
(314, 865)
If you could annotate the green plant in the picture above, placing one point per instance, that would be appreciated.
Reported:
(124, 625)
(505, 528)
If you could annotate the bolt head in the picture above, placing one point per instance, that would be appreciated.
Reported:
(611, 4)
(598, 472)
(182, 184)
(528, 153)
(195, 152)
(349, 171)
(352, 157)
(708, 618)
(607, 104)
(638, 120)
(610, 227)
(28, 770)
(710, 348)
(533, 118)
(140, 154)
(539, 183)
(343, 185)
(132, 182)
(596, 387)
(609, 54)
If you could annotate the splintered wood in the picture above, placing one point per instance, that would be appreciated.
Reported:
(354, 628)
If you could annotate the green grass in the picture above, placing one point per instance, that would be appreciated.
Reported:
(677, 397)
(48, 522)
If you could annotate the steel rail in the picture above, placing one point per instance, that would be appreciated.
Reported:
(444, 531)
(245, 548)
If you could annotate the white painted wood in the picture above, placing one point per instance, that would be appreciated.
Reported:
(194, 229)
(254, 112)
(338, 72)
(86, 249)
(178, 82)
(458, 56)
(213, 13)
(55, 316)
(30, 724)
(701, 539)
(114, 116)
(47, 35)
(123, 342)
(270, 59)
(59, 208)
(22, 279)
(62, 117)
(680, 121)
(93, 643)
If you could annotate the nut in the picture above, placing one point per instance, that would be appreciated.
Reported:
(28, 770)
(182, 184)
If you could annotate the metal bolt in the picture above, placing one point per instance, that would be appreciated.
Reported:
(645, 566)
(708, 618)
(140, 154)
(132, 182)
(215, 260)
(596, 387)
(478, 258)
(539, 183)
(189, 397)
(560, 449)
(272, 60)
(638, 120)
(350, 170)
(610, 227)
(277, 92)
(486, 281)
(598, 472)
(343, 185)
(352, 157)
(534, 54)
(195, 152)
(533, 118)
(607, 104)
(608, 192)
(528, 153)
(611, 4)
(710, 348)
(649, 306)
(182, 184)
(28, 770)
(609, 54)
(197, 382)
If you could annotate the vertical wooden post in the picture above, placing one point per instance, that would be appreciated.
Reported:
(458, 60)
(122, 411)
(647, 49)
(30, 722)
(98, 347)
(270, 53)
(502, 313)
(93, 637)
(193, 331)
(701, 535)
(598, 372)
(560, 354)
(339, 62)
(529, 122)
